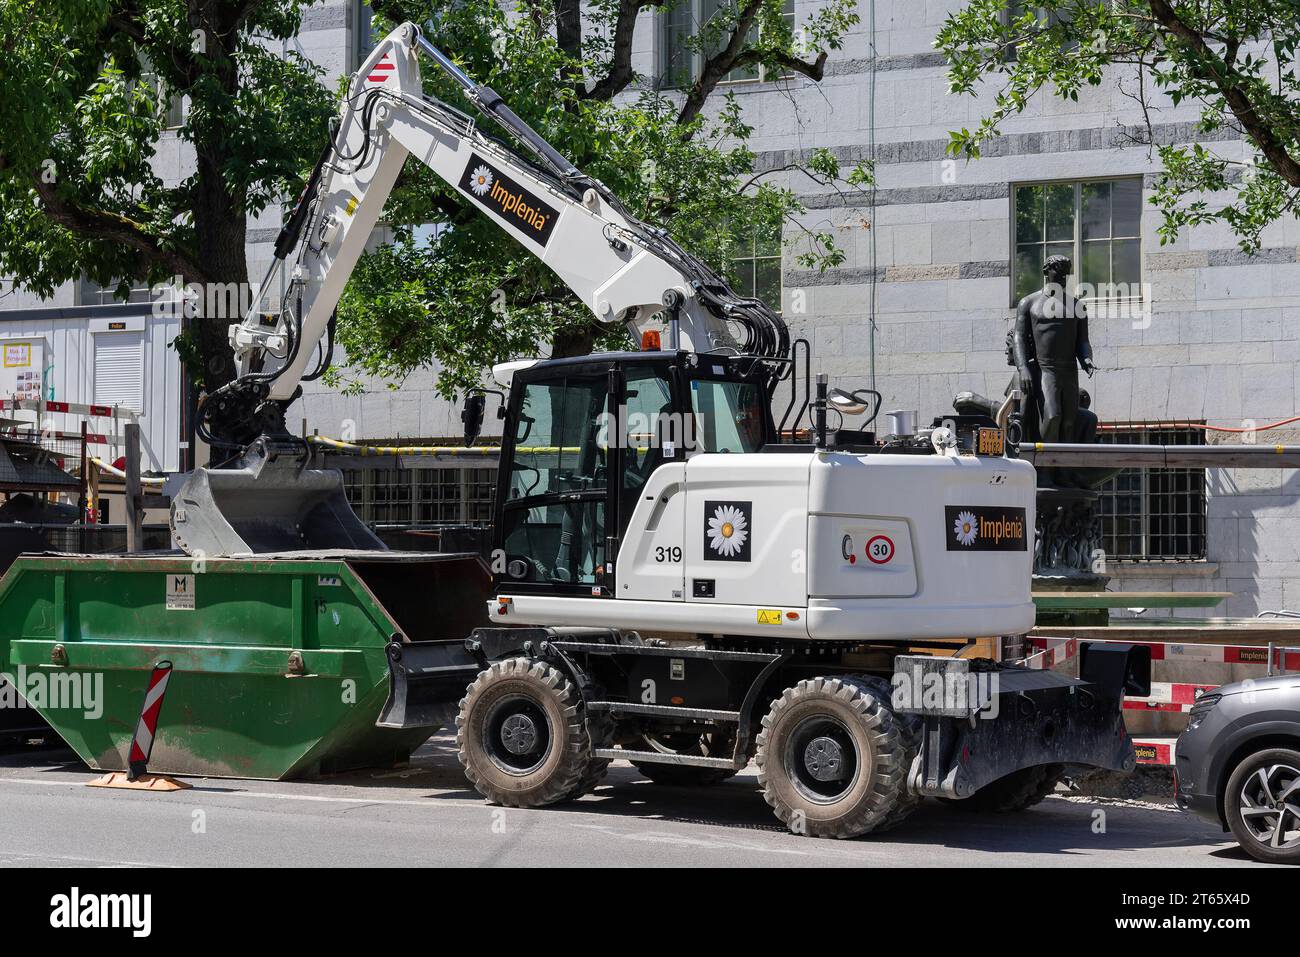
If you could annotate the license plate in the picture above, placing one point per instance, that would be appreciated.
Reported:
(990, 442)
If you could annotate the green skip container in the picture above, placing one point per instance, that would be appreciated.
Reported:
(286, 666)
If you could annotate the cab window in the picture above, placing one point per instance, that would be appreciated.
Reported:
(554, 519)
(729, 416)
(558, 442)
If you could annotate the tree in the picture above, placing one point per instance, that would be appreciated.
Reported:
(85, 89)
(453, 289)
(1236, 59)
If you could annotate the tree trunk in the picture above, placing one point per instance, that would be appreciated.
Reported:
(220, 225)
(221, 229)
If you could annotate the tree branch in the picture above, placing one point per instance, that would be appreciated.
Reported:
(814, 69)
(103, 226)
(1210, 67)
(720, 64)
(736, 55)
(568, 27)
(620, 71)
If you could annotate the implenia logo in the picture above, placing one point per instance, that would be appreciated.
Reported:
(966, 528)
(985, 528)
(498, 192)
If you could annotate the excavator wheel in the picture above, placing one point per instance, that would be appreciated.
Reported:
(911, 728)
(1017, 791)
(833, 757)
(703, 745)
(600, 732)
(522, 737)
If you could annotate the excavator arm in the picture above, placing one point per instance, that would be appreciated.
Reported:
(622, 269)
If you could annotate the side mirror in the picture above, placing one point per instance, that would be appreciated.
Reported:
(846, 403)
(471, 415)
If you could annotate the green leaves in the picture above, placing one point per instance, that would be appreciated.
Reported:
(1210, 53)
(88, 91)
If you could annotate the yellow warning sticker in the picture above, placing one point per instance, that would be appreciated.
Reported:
(769, 616)
(351, 205)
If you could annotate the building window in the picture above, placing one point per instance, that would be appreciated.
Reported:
(171, 110)
(364, 37)
(1046, 18)
(1097, 223)
(90, 293)
(681, 60)
(1153, 514)
(757, 264)
(421, 496)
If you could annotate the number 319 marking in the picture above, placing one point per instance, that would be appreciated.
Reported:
(670, 554)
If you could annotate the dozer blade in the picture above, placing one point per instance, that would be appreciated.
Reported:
(269, 503)
(426, 680)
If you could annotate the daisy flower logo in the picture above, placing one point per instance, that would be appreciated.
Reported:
(480, 181)
(966, 528)
(727, 530)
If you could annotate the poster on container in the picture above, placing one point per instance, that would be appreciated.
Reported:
(22, 368)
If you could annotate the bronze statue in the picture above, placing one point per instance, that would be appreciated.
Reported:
(1050, 336)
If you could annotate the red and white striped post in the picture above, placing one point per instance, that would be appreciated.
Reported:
(142, 743)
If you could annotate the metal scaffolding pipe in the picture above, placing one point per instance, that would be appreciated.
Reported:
(1050, 454)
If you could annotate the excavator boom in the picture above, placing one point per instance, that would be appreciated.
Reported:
(624, 271)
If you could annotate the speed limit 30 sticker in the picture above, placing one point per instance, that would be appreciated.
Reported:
(880, 549)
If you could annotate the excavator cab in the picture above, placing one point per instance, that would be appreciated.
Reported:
(583, 436)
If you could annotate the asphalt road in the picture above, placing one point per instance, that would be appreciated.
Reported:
(428, 815)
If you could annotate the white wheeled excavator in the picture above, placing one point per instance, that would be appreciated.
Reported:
(678, 581)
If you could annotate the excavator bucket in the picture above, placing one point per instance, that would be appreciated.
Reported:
(270, 503)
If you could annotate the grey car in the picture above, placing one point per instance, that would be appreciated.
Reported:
(1238, 765)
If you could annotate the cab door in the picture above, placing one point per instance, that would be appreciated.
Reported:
(553, 511)
(652, 487)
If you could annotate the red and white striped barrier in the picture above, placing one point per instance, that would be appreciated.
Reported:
(1156, 751)
(137, 776)
(68, 408)
(1055, 651)
(1168, 696)
(142, 743)
(1051, 652)
(42, 408)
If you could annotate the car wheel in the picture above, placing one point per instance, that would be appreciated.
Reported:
(1262, 805)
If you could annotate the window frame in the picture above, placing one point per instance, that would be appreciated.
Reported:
(663, 82)
(89, 293)
(1076, 236)
(753, 258)
(1012, 10)
(419, 489)
(1159, 433)
(172, 114)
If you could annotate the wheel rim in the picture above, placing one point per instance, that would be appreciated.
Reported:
(821, 759)
(1269, 804)
(517, 735)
